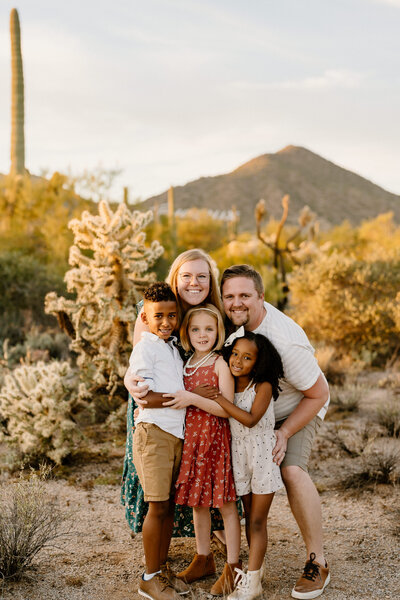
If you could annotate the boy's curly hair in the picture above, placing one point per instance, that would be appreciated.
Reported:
(268, 366)
(159, 292)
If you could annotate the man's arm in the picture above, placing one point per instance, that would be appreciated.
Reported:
(309, 406)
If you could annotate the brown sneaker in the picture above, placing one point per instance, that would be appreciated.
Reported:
(157, 588)
(314, 580)
(179, 586)
(201, 566)
(225, 584)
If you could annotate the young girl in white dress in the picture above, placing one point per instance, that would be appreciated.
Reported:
(257, 367)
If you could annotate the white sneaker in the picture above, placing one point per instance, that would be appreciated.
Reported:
(248, 585)
(262, 570)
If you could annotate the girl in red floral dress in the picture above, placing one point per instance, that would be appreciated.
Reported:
(205, 479)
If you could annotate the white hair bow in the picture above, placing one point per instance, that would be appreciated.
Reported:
(234, 336)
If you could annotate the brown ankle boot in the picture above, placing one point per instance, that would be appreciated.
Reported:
(225, 584)
(201, 566)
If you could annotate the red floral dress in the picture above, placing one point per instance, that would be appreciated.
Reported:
(205, 476)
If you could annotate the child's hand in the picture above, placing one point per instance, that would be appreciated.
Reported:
(180, 399)
(206, 391)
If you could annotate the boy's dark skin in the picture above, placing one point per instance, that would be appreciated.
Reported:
(162, 319)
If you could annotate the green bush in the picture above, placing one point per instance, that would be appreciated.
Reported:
(349, 303)
(24, 282)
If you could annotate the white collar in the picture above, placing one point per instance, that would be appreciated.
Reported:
(152, 336)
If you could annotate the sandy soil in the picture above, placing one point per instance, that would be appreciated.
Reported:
(100, 561)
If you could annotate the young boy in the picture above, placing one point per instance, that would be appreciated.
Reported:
(158, 438)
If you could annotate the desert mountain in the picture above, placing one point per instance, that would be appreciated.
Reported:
(332, 192)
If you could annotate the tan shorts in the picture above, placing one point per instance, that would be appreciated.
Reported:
(156, 455)
(300, 444)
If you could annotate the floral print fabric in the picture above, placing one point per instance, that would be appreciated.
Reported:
(205, 477)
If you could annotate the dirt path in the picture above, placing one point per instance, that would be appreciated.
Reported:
(100, 561)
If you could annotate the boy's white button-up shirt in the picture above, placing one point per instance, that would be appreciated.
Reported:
(160, 364)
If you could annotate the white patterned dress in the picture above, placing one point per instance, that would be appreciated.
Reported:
(253, 467)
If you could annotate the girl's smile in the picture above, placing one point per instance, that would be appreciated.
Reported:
(243, 357)
(202, 332)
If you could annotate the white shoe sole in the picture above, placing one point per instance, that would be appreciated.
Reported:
(142, 593)
(310, 595)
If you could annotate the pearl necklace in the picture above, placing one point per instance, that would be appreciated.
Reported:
(197, 365)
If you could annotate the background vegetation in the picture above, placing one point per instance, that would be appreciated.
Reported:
(92, 259)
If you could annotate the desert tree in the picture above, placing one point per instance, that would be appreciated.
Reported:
(289, 247)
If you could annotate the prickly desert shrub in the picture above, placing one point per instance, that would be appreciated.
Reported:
(30, 520)
(37, 403)
(381, 465)
(109, 261)
(388, 416)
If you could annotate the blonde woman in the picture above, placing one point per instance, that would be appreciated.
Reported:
(193, 277)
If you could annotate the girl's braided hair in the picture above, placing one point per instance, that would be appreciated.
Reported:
(268, 366)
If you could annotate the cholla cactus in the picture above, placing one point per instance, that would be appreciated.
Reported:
(109, 260)
(36, 403)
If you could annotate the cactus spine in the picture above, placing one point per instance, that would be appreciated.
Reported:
(17, 98)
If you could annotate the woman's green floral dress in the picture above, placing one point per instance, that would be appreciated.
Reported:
(132, 494)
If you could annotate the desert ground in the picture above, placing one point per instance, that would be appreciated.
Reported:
(99, 560)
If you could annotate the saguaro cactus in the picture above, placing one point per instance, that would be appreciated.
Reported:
(17, 98)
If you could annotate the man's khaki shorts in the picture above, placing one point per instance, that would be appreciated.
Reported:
(156, 455)
(300, 444)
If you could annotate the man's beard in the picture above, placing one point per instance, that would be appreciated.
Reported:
(242, 319)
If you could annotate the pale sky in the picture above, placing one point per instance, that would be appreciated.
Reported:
(171, 90)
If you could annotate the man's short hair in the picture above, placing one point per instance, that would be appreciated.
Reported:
(159, 292)
(243, 271)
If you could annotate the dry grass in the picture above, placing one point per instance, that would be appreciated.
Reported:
(30, 520)
(352, 442)
(381, 465)
(346, 399)
(388, 416)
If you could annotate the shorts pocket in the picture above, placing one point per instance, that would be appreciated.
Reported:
(140, 437)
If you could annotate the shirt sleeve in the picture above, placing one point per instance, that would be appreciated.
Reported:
(300, 366)
(142, 362)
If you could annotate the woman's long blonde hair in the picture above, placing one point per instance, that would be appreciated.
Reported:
(195, 254)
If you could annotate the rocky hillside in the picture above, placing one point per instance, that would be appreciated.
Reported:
(334, 193)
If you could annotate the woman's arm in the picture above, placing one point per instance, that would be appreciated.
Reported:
(260, 405)
(131, 382)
